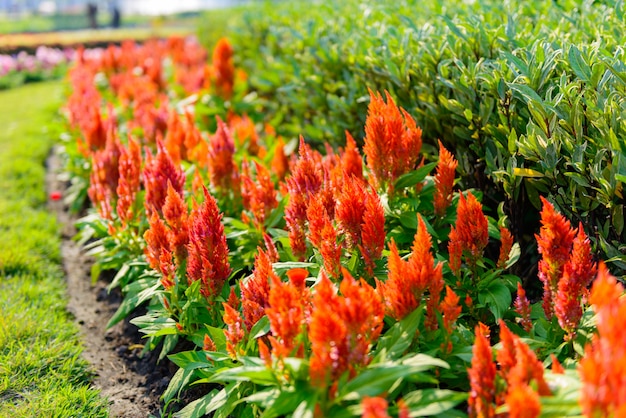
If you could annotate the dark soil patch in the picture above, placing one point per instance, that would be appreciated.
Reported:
(132, 383)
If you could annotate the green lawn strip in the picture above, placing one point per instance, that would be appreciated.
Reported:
(41, 372)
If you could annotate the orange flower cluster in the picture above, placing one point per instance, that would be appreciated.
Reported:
(260, 196)
(603, 367)
(519, 369)
(342, 328)
(566, 268)
(470, 234)
(392, 141)
(412, 281)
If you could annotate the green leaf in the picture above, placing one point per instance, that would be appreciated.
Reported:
(579, 66)
(179, 381)
(399, 337)
(260, 375)
(204, 405)
(497, 297)
(133, 300)
(414, 177)
(189, 359)
(429, 402)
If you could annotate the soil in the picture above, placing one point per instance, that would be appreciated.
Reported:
(131, 382)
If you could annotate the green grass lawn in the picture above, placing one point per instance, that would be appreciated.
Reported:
(41, 372)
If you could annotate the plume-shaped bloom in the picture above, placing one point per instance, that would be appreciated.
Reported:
(255, 291)
(223, 172)
(351, 160)
(409, 280)
(554, 242)
(259, 197)
(176, 214)
(392, 141)
(280, 162)
(158, 252)
(234, 331)
(603, 366)
(223, 68)
(374, 407)
(157, 173)
(482, 377)
(578, 273)
(208, 251)
(129, 181)
(304, 182)
(450, 309)
(470, 234)
(287, 313)
(506, 243)
(104, 176)
(523, 402)
(323, 236)
(342, 328)
(523, 309)
(373, 231)
(444, 180)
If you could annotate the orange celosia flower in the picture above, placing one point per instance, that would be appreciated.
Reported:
(287, 314)
(351, 161)
(373, 231)
(342, 328)
(259, 197)
(234, 332)
(158, 251)
(603, 366)
(409, 280)
(270, 247)
(392, 141)
(554, 242)
(222, 169)
(208, 252)
(223, 68)
(175, 212)
(557, 367)
(523, 402)
(323, 236)
(280, 163)
(450, 309)
(157, 172)
(209, 344)
(523, 309)
(506, 240)
(305, 181)
(444, 180)
(129, 181)
(577, 275)
(482, 376)
(471, 233)
(255, 290)
(374, 407)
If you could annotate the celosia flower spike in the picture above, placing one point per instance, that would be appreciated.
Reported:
(444, 180)
(523, 309)
(374, 407)
(506, 243)
(129, 181)
(482, 377)
(523, 402)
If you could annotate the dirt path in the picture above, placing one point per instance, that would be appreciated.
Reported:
(131, 383)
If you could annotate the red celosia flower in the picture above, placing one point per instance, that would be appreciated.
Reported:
(234, 332)
(208, 344)
(523, 402)
(373, 231)
(304, 183)
(255, 290)
(554, 242)
(270, 247)
(287, 314)
(223, 68)
(482, 377)
(578, 273)
(208, 251)
(175, 212)
(409, 280)
(104, 176)
(351, 160)
(158, 251)
(471, 233)
(129, 181)
(444, 180)
(392, 141)
(403, 409)
(222, 169)
(603, 366)
(259, 197)
(522, 307)
(374, 407)
(342, 328)
(506, 240)
(450, 309)
(157, 172)
(506, 355)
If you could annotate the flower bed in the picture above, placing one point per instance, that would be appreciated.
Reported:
(354, 282)
(45, 64)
